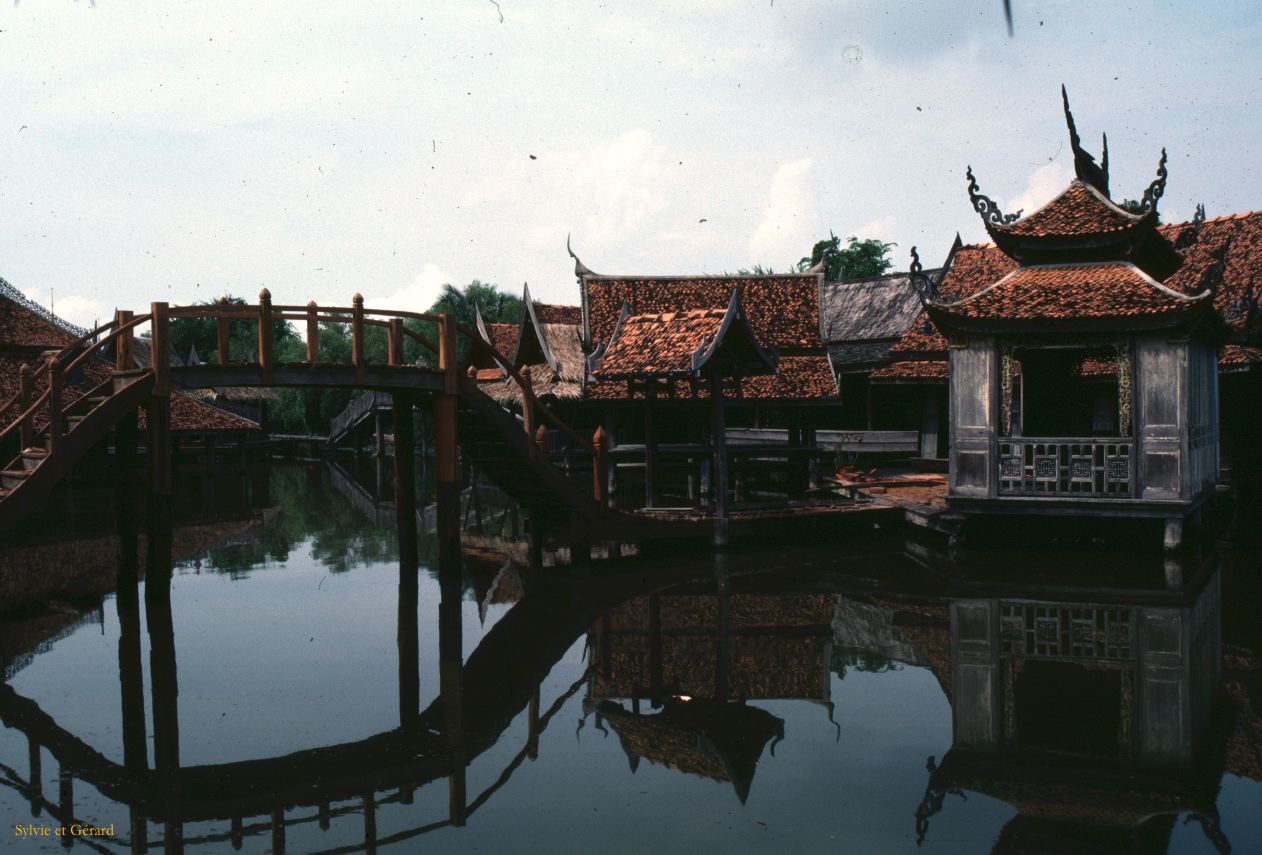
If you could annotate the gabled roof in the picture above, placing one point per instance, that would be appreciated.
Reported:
(552, 313)
(1102, 291)
(783, 310)
(873, 309)
(683, 344)
(1079, 210)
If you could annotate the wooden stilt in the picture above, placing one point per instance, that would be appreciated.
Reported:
(532, 727)
(718, 434)
(650, 456)
(451, 688)
(278, 831)
(65, 781)
(35, 781)
(446, 451)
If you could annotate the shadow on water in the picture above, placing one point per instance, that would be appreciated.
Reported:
(1089, 701)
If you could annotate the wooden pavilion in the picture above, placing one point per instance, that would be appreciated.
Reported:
(1081, 358)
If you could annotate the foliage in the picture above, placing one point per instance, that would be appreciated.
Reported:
(497, 307)
(859, 259)
(243, 335)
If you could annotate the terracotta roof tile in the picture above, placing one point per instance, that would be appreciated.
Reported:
(911, 371)
(550, 313)
(1079, 210)
(1241, 284)
(22, 328)
(783, 311)
(660, 344)
(799, 377)
(503, 338)
(1105, 290)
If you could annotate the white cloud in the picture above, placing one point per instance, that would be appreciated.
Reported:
(789, 216)
(417, 296)
(75, 308)
(1043, 186)
(880, 228)
(622, 184)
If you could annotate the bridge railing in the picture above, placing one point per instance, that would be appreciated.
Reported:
(360, 320)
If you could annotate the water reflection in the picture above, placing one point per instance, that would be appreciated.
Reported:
(1093, 712)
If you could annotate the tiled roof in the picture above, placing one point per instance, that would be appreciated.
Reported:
(912, 371)
(550, 313)
(783, 310)
(660, 344)
(877, 308)
(503, 338)
(21, 327)
(1236, 357)
(187, 413)
(1079, 210)
(1241, 284)
(1044, 292)
(799, 377)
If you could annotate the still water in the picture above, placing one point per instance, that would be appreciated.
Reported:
(296, 692)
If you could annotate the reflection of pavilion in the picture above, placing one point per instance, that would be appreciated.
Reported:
(1094, 718)
(698, 657)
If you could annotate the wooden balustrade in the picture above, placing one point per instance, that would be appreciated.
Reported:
(394, 343)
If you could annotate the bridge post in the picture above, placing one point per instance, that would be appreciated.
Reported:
(25, 387)
(265, 335)
(54, 406)
(543, 441)
(123, 344)
(278, 830)
(313, 333)
(409, 591)
(394, 343)
(65, 782)
(357, 335)
(35, 781)
(451, 690)
(222, 329)
(379, 432)
(446, 450)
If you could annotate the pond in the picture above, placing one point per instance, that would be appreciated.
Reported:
(293, 689)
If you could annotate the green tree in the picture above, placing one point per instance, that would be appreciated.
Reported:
(498, 307)
(858, 259)
(243, 335)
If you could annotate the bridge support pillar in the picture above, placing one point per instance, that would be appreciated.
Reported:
(379, 437)
(451, 689)
(446, 451)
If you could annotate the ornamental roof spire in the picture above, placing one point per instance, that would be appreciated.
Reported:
(1085, 167)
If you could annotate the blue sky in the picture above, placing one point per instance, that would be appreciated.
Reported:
(171, 150)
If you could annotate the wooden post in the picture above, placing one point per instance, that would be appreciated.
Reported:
(265, 335)
(543, 441)
(123, 344)
(451, 689)
(25, 387)
(313, 333)
(650, 456)
(527, 401)
(65, 781)
(278, 831)
(446, 450)
(532, 726)
(160, 345)
(600, 468)
(223, 331)
(394, 344)
(379, 433)
(719, 438)
(370, 822)
(54, 405)
(357, 335)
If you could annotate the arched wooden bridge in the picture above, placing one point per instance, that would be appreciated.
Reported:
(54, 429)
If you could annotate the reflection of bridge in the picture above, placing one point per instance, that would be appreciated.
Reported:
(55, 425)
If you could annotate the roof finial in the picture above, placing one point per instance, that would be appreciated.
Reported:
(1189, 236)
(580, 269)
(1085, 166)
(924, 286)
(985, 206)
(1157, 188)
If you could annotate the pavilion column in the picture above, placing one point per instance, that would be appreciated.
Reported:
(379, 434)
(650, 455)
(718, 434)
(722, 631)
(446, 451)
(158, 440)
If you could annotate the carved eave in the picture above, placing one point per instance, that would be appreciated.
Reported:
(735, 344)
(484, 359)
(597, 356)
(1197, 316)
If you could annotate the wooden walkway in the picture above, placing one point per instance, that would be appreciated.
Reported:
(52, 429)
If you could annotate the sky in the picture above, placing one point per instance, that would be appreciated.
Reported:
(179, 151)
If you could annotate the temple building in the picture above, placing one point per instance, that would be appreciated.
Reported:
(674, 362)
(1081, 352)
(545, 344)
